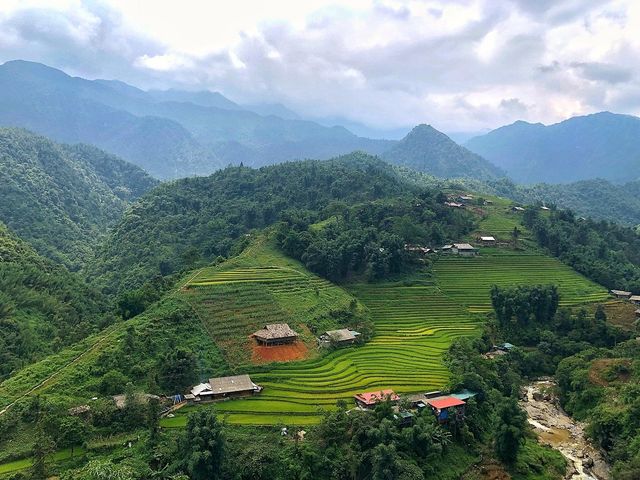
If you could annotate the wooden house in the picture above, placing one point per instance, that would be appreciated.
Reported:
(638, 313)
(275, 334)
(371, 399)
(635, 299)
(224, 387)
(517, 209)
(341, 337)
(464, 249)
(620, 294)
(487, 240)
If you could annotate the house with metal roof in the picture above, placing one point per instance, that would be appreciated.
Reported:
(441, 407)
(487, 240)
(371, 399)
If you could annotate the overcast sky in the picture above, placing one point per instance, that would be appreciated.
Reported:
(460, 65)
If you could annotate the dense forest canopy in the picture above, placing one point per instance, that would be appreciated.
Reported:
(62, 198)
(181, 223)
(370, 238)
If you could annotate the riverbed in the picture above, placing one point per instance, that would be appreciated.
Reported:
(557, 429)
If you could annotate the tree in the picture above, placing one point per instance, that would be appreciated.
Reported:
(515, 235)
(113, 382)
(204, 446)
(510, 430)
(72, 431)
(153, 421)
(178, 370)
(42, 447)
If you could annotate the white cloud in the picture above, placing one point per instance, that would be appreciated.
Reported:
(458, 64)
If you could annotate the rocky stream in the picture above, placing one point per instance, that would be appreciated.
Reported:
(557, 429)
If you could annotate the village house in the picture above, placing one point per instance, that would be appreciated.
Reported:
(638, 312)
(487, 240)
(223, 387)
(371, 399)
(517, 209)
(404, 418)
(275, 334)
(620, 294)
(454, 204)
(465, 198)
(441, 407)
(418, 249)
(341, 337)
(463, 249)
(635, 299)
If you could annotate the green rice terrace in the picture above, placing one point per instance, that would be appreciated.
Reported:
(415, 321)
(259, 287)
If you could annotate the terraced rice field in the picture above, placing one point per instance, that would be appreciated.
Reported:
(415, 326)
(469, 280)
(501, 226)
(234, 303)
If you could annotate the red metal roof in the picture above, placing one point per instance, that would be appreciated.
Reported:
(371, 398)
(444, 402)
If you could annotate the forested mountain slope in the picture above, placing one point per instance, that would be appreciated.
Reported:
(602, 145)
(43, 307)
(61, 198)
(425, 149)
(179, 223)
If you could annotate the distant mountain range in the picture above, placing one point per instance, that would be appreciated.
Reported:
(176, 133)
(171, 133)
(602, 145)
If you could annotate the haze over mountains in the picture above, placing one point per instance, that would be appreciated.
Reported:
(603, 145)
(175, 133)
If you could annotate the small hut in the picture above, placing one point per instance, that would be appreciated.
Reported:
(620, 294)
(275, 334)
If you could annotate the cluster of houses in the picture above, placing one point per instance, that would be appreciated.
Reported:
(623, 294)
(463, 249)
(223, 388)
(442, 406)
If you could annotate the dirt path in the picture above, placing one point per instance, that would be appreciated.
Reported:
(557, 429)
(51, 377)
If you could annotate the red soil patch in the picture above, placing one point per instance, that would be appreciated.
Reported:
(279, 353)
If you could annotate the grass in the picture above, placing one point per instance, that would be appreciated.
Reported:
(27, 462)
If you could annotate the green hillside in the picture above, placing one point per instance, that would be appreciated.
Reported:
(43, 307)
(62, 198)
(262, 286)
(190, 222)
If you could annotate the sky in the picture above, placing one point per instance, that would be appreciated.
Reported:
(460, 65)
